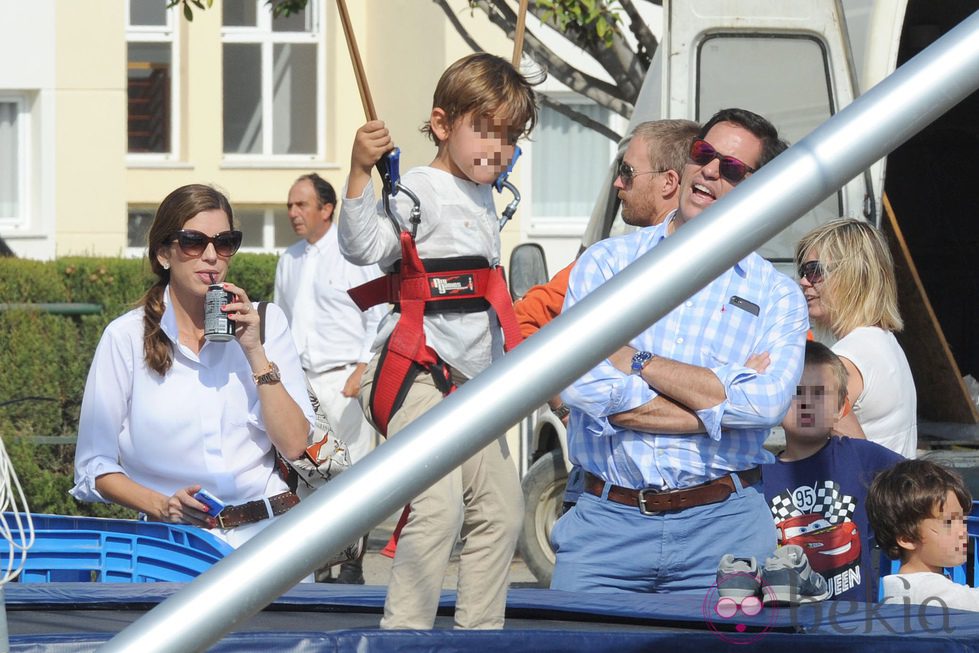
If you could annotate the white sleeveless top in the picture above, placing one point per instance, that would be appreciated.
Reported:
(887, 409)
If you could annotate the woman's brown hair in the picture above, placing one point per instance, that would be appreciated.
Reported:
(176, 209)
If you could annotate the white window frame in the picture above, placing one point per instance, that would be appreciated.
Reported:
(168, 33)
(21, 219)
(268, 245)
(263, 35)
(135, 252)
(562, 225)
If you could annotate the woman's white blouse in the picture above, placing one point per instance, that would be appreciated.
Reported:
(887, 409)
(201, 423)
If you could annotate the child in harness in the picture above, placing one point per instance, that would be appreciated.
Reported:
(452, 315)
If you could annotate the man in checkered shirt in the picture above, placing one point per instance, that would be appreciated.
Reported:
(670, 429)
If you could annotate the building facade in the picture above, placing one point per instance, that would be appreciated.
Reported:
(107, 105)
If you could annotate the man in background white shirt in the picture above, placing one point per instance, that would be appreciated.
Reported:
(332, 335)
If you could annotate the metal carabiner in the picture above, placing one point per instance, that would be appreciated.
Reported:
(390, 170)
(415, 216)
(389, 167)
(502, 182)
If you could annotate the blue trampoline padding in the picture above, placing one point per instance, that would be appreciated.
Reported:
(23, 595)
(255, 642)
(513, 641)
(676, 611)
(571, 641)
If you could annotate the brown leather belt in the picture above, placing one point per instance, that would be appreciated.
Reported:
(650, 500)
(253, 511)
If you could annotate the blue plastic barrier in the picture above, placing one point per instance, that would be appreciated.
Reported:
(90, 549)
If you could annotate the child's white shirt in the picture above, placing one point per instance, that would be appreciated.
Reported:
(928, 588)
(458, 218)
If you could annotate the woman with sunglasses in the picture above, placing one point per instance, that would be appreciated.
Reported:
(167, 413)
(847, 276)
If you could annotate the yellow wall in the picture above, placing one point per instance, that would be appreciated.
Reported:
(405, 46)
(90, 131)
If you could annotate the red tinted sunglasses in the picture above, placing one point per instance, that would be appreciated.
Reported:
(193, 243)
(734, 170)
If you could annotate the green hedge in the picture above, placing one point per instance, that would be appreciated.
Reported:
(45, 358)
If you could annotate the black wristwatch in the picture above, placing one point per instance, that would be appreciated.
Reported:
(561, 411)
(640, 360)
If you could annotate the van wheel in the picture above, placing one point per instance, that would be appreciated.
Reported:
(543, 491)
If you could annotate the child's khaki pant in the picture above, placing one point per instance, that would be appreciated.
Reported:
(482, 501)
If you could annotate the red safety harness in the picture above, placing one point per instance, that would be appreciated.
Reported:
(463, 284)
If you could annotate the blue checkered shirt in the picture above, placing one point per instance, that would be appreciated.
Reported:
(707, 331)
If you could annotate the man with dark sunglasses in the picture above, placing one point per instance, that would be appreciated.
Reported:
(648, 183)
(648, 179)
(333, 336)
(670, 429)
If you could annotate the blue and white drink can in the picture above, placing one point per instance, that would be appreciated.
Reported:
(217, 326)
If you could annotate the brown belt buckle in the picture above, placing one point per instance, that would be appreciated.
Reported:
(642, 500)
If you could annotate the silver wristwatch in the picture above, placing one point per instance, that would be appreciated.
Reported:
(640, 360)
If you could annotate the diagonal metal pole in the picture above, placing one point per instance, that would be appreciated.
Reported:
(265, 567)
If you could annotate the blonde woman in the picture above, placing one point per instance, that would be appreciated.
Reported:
(847, 276)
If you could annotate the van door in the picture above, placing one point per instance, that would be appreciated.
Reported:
(788, 61)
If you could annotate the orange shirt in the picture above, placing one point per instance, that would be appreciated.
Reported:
(542, 303)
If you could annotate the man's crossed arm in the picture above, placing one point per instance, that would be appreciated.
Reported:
(683, 389)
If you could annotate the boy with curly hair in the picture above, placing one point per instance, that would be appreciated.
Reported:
(917, 510)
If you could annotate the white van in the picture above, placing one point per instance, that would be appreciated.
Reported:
(797, 62)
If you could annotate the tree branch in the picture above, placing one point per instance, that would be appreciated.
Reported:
(459, 27)
(608, 95)
(600, 91)
(644, 36)
(621, 62)
(545, 100)
(618, 59)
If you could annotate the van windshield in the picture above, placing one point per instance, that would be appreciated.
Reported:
(785, 78)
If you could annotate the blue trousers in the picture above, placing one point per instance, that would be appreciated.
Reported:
(604, 546)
